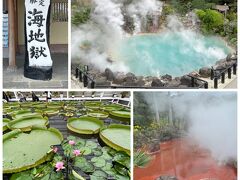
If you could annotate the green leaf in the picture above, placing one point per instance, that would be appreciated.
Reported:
(97, 152)
(106, 149)
(86, 150)
(22, 176)
(100, 174)
(83, 164)
(88, 167)
(106, 156)
(33, 153)
(108, 169)
(71, 138)
(121, 169)
(120, 177)
(98, 161)
(111, 172)
(34, 171)
(97, 178)
(141, 159)
(56, 175)
(112, 152)
(123, 159)
(91, 144)
(80, 142)
(78, 161)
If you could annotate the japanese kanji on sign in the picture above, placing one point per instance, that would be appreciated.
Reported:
(38, 54)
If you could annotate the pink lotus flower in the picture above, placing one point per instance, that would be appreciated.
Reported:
(55, 149)
(59, 166)
(71, 142)
(76, 152)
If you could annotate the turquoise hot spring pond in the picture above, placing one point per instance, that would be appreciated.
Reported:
(174, 53)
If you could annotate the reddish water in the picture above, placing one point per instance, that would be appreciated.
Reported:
(186, 161)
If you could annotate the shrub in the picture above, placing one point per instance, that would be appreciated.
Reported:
(167, 10)
(211, 20)
(81, 16)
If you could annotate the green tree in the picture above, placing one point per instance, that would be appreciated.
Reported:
(211, 20)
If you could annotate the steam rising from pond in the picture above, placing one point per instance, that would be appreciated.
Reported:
(104, 31)
(98, 41)
(211, 116)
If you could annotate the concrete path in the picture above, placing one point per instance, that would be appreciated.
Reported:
(229, 83)
(232, 84)
(16, 80)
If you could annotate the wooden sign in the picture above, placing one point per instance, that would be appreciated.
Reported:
(38, 56)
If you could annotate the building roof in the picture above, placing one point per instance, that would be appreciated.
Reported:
(222, 8)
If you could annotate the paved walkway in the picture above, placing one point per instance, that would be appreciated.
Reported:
(229, 83)
(16, 80)
(232, 84)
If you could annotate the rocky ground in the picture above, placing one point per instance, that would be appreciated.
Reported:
(110, 78)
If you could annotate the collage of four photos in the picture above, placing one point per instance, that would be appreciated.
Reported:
(119, 89)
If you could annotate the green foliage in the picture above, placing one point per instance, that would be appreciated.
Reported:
(141, 159)
(41, 172)
(81, 16)
(232, 16)
(105, 162)
(202, 4)
(180, 7)
(167, 10)
(211, 20)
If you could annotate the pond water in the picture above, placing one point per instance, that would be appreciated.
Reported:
(185, 160)
(174, 53)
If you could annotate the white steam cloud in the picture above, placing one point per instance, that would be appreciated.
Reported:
(212, 118)
(140, 9)
(105, 30)
(193, 40)
(98, 41)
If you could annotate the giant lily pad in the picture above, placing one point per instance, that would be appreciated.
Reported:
(98, 114)
(11, 104)
(121, 115)
(5, 122)
(112, 107)
(70, 108)
(26, 123)
(94, 105)
(117, 136)
(22, 151)
(40, 106)
(84, 125)
(26, 105)
(24, 113)
(7, 111)
(50, 112)
(55, 105)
